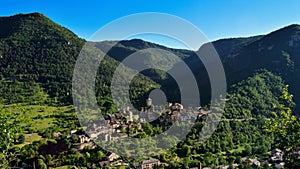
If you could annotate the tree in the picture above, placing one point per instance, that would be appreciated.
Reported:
(41, 164)
(286, 128)
(75, 138)
(21, 139)
(231, 160)
(9, 127)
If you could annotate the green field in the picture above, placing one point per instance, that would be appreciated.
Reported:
(36, 118)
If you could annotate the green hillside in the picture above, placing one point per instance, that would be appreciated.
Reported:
(35, 49)
(37, 115)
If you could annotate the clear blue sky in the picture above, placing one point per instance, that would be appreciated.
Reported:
(216, 19)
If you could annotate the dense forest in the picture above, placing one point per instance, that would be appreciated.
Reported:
(37, 116)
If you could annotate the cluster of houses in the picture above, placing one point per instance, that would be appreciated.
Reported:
(276, 160)
(147, 164)
(118, 126)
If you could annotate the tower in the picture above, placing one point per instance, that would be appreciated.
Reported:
(107, 137)
(149, 102)
(130, 116)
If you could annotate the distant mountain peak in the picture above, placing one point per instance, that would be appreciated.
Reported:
(32, 26)
(292, 26)
(286, 31)
(137, 43)
(22, 16)
(29, 14)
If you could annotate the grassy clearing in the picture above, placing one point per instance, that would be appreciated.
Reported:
(36, 117)
(239, 149)
(30, 138)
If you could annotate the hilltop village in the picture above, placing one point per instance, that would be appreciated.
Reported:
(118, 126)
(128, 123)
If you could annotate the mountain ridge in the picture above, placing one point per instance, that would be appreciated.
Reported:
(41, 15)
(33, 45)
